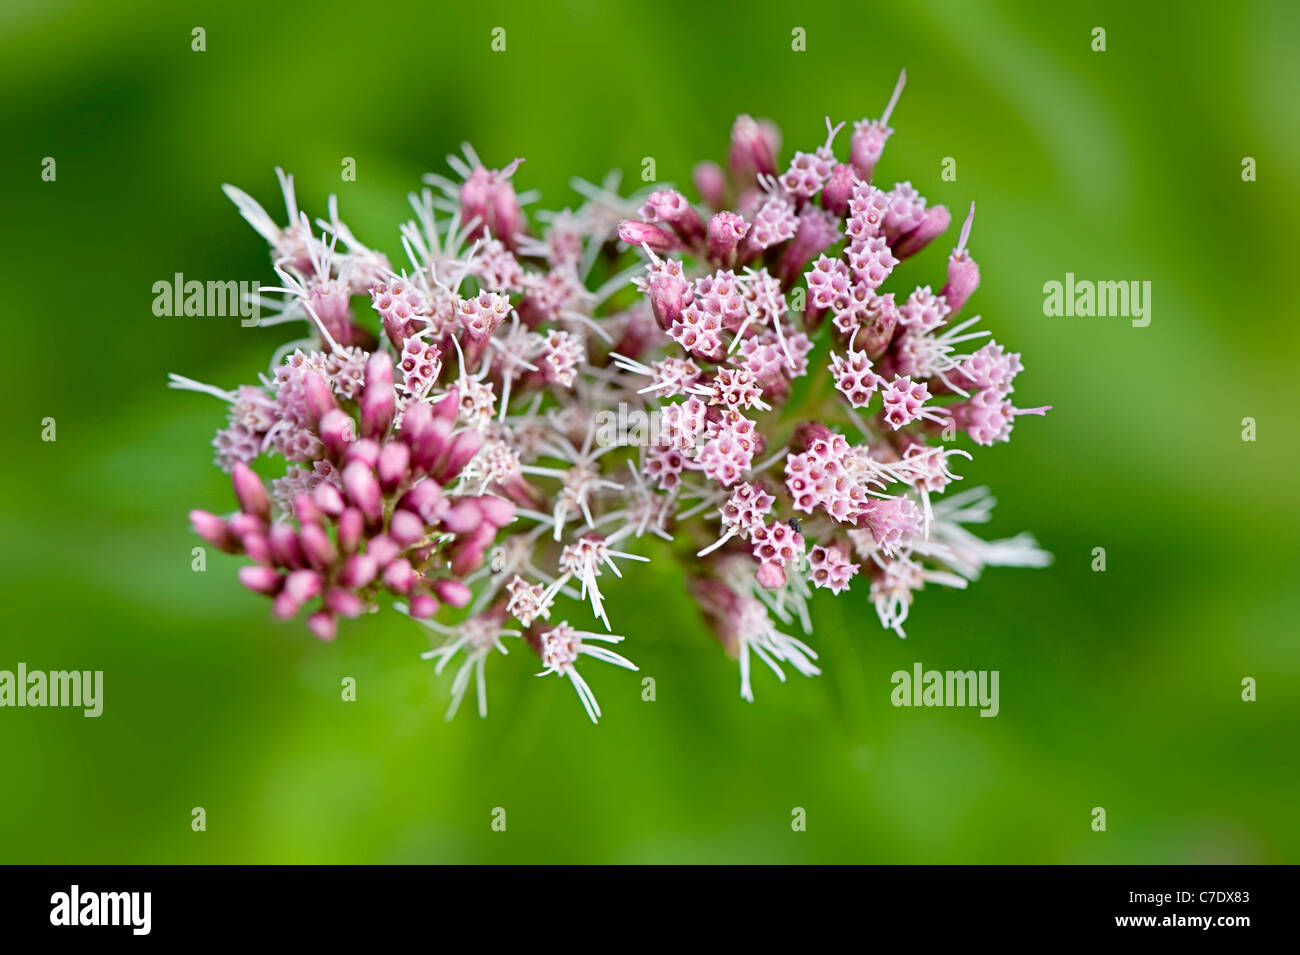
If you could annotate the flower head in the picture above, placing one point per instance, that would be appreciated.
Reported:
(562, 646)
(448, 447)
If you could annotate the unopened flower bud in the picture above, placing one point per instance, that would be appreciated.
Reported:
(336, 432)
(838, 190)
(306, 510)
(343, 602)
(249, 491)
(878, 329)
(934, 224)
(425, 499)
(963, 273)
(399, 577)
(771, 575)
(284, 607)
(448, 406)
(320, 399)
(643, 233)
(316, 546)
(323, 625)
(464, 517)
(415, 419)
(488, 199)
(352, 526)
(366, 451)
(377, 398)
(262, 580)
(213, 530)
(364, 491)
(358, 570)
(392, 464)
(285, 547)
(463, 447)
(726, 229)
(711, 183)
(423, 606)
(752, 153)
(382, 549)
(869, 137)
(241, 525)
(431, 444)
(327, 497)
(671, 208)
(496, 511)
(405, 528)
(258, 548)
(452, 592)
(303, 585)
(669, 294)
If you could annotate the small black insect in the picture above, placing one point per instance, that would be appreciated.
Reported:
(794, 523)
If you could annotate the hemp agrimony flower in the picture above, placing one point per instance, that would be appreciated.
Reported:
(442, 429)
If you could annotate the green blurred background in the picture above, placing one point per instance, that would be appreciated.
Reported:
(1118, 689)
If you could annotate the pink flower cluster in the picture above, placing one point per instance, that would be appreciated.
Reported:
(447, 432)
(744, 289)
(389, 506)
